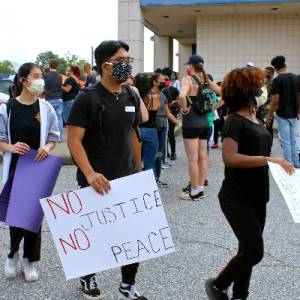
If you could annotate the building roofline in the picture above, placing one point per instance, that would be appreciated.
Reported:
(144, 3)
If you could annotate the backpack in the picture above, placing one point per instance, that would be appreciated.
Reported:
(98, 107)
(205, 98)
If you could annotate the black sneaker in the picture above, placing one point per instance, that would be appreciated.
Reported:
(130, 292)
(89, 287)
(213, 292)
(197, 197)
(187, 188)
(173, 156)
(161, 183)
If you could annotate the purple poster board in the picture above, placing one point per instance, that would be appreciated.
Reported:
(32, 181)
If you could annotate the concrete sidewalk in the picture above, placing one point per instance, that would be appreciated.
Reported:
(203, 240)
(62, 150)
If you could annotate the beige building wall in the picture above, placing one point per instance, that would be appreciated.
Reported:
(228, 41)
(163, 52)
(131, 30)
(185, 51)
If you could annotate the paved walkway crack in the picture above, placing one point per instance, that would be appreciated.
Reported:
(231, 249)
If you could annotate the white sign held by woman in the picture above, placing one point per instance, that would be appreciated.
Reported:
(289, 187)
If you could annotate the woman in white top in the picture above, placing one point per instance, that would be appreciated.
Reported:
(174, 81)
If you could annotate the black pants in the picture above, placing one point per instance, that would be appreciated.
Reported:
(270, 129)
(247, 223)
(171, 135)
(32, 243)
(128, 273)
(218, 127)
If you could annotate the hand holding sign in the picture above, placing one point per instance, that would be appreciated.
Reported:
(289, 187)
(100, 184)
(32, 180)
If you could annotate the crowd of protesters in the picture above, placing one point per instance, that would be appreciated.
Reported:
(244, 106)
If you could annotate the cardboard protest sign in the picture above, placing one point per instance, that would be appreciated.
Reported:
(94, 233)
(31, 181)
(289, 186)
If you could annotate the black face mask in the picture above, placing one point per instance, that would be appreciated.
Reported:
(162, 85)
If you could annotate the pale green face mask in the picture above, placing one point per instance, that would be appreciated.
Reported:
(37, 86)
(261, 100)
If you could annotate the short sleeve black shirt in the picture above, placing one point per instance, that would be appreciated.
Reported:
(287, 86)
(53, 89)
(249, 185)
(74, 90)
(113, 155)
(174, 94)
(25, 125)
(168, 94)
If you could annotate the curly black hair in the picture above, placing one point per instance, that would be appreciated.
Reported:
(240, 86)
(278, 62)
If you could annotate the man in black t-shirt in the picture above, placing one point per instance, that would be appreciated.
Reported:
(53, 92)
(286, 101)
(101, 146)
(172, 95)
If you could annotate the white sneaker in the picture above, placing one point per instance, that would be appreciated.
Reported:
(11, 265)
(29, 270)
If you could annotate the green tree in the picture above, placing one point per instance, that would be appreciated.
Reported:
(63, 62)
(73, 60)
(8, 67)
(43, 58)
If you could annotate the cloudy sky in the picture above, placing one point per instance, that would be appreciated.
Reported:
(30, 27)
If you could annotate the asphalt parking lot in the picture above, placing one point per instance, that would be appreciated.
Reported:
(203, 242)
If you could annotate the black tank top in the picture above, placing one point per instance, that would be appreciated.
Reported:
(151, 123)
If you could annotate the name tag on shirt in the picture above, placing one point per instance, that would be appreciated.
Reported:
(130, 108)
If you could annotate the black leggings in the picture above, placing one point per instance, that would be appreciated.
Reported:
(247, 223)
(32, 243)
(218, 127)
(171, 134)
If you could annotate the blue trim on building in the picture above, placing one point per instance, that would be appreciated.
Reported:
(194, 49)
(204, 2)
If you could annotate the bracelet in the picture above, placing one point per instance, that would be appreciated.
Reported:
(184, 111)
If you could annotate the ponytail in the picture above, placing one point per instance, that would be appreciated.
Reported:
(200, 69)
(18, 86)
(77, 71)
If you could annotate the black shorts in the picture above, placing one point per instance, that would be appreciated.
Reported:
(195, 132)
